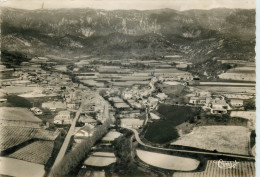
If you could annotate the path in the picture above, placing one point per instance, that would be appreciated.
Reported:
(65, 144)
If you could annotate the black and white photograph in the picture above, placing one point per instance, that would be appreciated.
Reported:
(128, 88)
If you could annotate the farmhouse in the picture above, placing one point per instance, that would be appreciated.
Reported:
(236, 102)
(219, 107)
(63, 117)
(54, 105)
(83, 133)
(132, 123)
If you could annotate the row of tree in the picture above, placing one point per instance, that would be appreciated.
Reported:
(75, 157)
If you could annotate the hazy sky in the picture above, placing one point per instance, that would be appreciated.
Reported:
(129, 4)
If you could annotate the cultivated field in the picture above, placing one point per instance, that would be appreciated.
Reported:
(168, 162)
(250, 90)
(13, 136)
(100, 159)
(37, 152)
(227, 139)
(14, 167)
(243, 168)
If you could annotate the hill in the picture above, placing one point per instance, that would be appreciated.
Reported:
(197, 35)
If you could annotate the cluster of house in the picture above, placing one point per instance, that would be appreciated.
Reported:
(129, 103)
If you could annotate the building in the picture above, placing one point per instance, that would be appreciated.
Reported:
(131, 123)
(121, 106)
(198, 100)
(73, 105)
(83, 133)
(54, 105)
(219, 107)
(236, 102)
(87, 120)
(181, 66)
(63, 117)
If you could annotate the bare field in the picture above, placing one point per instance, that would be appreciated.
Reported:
(243, 168)
(168, 162)
(227, 139)
(250, 90)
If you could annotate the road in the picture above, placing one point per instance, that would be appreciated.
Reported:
(65, 144)
(187, 151)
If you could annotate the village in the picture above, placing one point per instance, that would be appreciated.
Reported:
(69, 102)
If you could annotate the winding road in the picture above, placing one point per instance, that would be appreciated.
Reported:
(187, 151)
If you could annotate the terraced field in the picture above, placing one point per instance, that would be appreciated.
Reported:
(242, 169)
(37, 152)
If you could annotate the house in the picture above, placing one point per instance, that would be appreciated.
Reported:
(161, 96)
(236, 102)
(83, 133)
(219, 107)
(181, 66)
(63, 117)
(122, 106)
(54, 105)
(131, 123)
(198, 100)
(153, 102)
(87, 120)
(73, 105)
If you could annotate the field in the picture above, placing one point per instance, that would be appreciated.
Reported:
(37, 152)
(168, 162)
(19, 114)
(13, 136)
(163, 130)
(227, 139)
(14, 167)
(250, 90)
(16, 101)
(100, 159)
(245, 169)
(238, 76)
(17, 89)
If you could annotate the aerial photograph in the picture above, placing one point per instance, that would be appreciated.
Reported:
(118, 88)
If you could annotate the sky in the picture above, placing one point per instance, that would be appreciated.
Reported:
(129, 4)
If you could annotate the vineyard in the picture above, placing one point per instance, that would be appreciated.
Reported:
(241, 169)
(37, 152)
(13, 136)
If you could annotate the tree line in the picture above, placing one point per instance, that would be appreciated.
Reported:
(74, 158)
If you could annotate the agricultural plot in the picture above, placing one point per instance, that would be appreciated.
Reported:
(242, 168)
(11, 136)
(228, 89)
(14, 167)
(238, 76)
(227, 139)
(100, 159)
(37, 152)
(168, 162)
